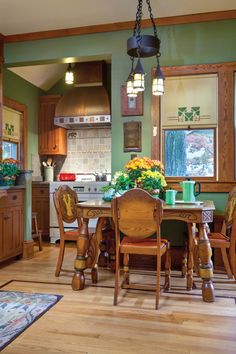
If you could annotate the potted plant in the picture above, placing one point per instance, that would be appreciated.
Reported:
(8, 170)
(139, 173)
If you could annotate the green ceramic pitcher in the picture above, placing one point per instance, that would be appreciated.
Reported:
(189, 190)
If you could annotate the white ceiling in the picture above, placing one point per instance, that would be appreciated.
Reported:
(26, 16)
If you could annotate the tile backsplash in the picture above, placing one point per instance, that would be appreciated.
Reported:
(88, 150)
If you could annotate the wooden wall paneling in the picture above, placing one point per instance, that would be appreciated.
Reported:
(226, 158)
(120, 26)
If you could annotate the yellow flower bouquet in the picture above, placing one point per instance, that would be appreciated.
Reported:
(138, 173)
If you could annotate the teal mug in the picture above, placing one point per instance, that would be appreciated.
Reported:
(170, 196)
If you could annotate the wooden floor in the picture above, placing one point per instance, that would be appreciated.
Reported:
(87, 322)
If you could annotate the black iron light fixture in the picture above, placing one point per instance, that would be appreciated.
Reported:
(69, 76)
(143, 46)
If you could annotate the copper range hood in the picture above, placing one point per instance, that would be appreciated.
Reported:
(87, 103)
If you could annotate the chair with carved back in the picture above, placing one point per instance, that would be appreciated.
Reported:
(225, 240)
(65, 201)
(137, 215)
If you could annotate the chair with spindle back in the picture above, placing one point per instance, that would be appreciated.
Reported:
(138, 216)
(65, 201)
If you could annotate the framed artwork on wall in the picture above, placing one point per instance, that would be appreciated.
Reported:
(132, 136)
(131, 106)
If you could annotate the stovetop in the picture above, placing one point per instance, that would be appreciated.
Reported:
(79, 186)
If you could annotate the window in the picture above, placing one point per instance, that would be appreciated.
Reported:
(10, 150)
(189, 115)
(11, 133)
(14, 131)
(189, 152)
(197, 116)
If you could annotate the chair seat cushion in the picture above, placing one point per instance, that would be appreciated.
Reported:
(144, 246)
(71, 235)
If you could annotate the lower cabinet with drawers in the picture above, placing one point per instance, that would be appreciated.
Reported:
(40, 205)
(11, 223)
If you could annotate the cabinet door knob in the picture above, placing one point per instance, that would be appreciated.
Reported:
(6, 217)
(14, 197)
(54, 147)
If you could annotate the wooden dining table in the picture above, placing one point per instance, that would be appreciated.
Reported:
(199, 213)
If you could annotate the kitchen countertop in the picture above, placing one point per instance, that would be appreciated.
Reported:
(12, 187)
(40, 182)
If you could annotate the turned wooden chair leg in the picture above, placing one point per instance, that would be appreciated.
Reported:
(126, 268)
(158, 282)
(40, 241)
(60, 258)
(232, 258)
(226, 263)
(167, 269)
(117, 278)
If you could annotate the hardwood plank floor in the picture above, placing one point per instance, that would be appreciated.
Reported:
(86, 322)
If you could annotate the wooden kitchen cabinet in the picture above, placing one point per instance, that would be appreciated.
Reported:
(52, 139)
(40, 205)
(11, 224)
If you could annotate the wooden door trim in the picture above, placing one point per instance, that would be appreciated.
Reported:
(8, 102)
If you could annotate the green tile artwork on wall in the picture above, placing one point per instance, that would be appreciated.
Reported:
(188, 116)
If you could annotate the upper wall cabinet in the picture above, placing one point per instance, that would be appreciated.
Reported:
(52, 139)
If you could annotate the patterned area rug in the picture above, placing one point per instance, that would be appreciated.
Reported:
(18, 310)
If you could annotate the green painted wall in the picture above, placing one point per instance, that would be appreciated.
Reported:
(197, 43)
(23, 92)
(180, 45)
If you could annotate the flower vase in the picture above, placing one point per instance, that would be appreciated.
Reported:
(8, 180)
(108, 195)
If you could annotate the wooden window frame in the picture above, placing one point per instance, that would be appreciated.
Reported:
(225, 139)
(23, 158)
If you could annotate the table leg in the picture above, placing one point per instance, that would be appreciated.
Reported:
(78, 280)
(206, 269)
(190, 257)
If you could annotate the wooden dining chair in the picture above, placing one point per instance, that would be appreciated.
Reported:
(36, 233)
(225, 240)
(137, 215)
(65, 201)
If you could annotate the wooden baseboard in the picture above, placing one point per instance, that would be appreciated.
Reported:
(28, 249)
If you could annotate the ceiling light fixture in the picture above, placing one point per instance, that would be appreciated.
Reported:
(143, 46)
(69, 76)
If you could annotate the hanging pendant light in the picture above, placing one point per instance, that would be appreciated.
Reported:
(69, 76)
(158, 81)
(139, 74)
(130, 91)
(142, 46)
